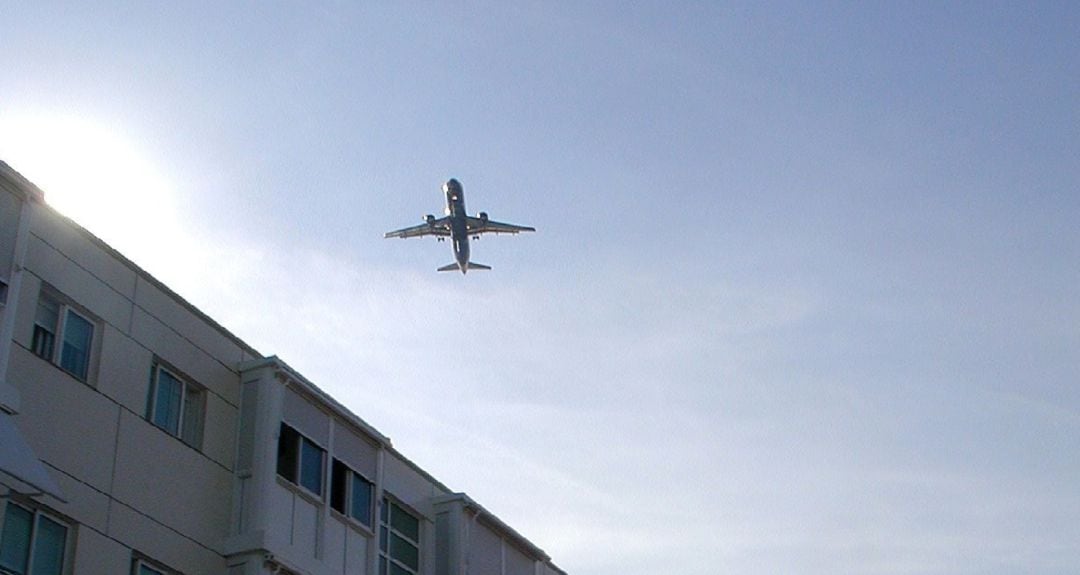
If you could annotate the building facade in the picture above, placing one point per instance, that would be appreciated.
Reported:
(139, 436)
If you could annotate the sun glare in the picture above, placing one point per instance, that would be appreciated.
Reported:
(92, 174)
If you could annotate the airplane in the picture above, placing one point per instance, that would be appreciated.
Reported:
(459, 227)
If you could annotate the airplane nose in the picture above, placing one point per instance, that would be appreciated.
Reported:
(451, 185)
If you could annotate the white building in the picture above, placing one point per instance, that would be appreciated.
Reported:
(139, 436)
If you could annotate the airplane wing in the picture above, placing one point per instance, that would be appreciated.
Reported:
(433, 227)
(482, 225)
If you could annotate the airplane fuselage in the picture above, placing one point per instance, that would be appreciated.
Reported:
(459, 226)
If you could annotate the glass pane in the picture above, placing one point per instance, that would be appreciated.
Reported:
(193, 410)
(396, 569)
(42, 343)
(384, 536)
(145, 570)
(338, 487)
(15, 539)
(361, 500)
(167, 403)
(75, 354)
(287, 455)
(49, 547)
(311, 467)
(404, 551)
(408, 525)
(383, 569)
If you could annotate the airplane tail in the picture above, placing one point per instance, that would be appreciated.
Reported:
(472, 266)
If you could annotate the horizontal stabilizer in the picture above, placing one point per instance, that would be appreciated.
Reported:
(454, 267)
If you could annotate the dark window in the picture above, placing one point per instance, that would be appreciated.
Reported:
(311, 466)
(142, 566)
(339, 487)
(75, 352)
(350, 493)
(76, 336)
(300, 460)
(288, 454)
(361, 495)
(176, 406)
(144, 569)
(167, 396)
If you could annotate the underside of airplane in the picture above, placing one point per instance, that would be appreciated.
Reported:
(459, 227)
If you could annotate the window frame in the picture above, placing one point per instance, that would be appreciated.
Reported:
(140, 565)
(295, 474)
(58, 334)
(140, 562)
(350, 477)
(185, 419)
(387, 531)
(37, 514)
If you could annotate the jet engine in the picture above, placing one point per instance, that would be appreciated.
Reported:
(483, 222)
(430, 219)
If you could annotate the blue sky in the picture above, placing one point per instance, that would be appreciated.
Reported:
(802, 299)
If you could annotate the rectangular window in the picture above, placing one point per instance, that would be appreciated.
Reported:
(46, 319)
(75, 351)
(31, 542)
(350, 493)
(142, 566)
(176, 405)
(76, 336)
(399, 540)
(300, 460)
(3, 293)
(144, 569)
(288, 452)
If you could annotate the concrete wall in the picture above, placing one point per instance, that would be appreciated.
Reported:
(9, 218)
(278, 517)
(131, 487)
(472, 541)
